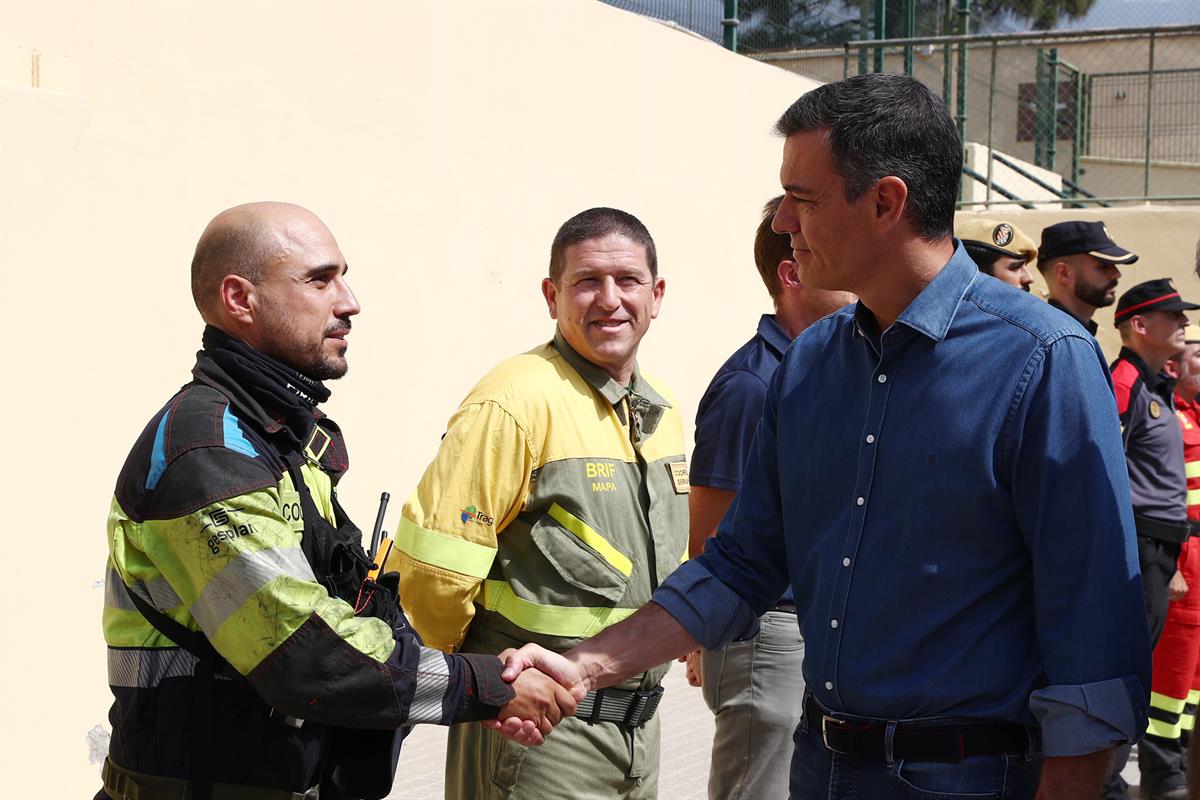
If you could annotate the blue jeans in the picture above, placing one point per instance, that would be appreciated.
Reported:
(818, 774)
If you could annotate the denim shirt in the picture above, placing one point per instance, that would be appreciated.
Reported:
(950, 504)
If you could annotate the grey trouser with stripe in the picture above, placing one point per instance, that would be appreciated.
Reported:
(756, 691)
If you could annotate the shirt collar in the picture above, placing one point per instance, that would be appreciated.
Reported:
(1157, 382)
(932, 311)
(773, 334)
(1089, 324)
(602, 382)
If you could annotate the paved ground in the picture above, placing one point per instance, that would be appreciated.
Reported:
(687, 732)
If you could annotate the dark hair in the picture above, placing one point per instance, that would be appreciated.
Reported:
(596, 223)
(770, 248)
(883, 124)
(984, 257)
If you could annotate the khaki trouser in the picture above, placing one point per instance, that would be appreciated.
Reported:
(578, 761)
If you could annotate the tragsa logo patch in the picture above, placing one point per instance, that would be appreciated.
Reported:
(473, 514)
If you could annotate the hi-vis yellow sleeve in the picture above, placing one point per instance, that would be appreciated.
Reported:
(445, 541)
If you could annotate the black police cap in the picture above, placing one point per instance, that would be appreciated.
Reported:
(1156, 295)
(1077, 236)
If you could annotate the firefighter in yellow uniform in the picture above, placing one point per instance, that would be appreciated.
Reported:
(556, 504)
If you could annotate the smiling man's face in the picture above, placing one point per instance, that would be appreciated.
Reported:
(604, 301)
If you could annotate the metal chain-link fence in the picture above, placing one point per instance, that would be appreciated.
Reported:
(1092, 117)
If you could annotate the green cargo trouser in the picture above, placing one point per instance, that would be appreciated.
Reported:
(578, 761)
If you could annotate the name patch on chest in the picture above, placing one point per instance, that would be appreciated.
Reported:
(679, 477)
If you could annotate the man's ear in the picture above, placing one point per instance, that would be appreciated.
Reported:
(789, 275)
(239, 299)
(890, 196)
(550, 292)
(1137, 323)
(1061, 271)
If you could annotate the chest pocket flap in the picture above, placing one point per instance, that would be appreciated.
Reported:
(581, 555)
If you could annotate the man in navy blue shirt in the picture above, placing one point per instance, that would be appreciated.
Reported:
(755, 688)
(939, 476)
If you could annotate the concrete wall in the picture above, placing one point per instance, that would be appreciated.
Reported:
(443, 143)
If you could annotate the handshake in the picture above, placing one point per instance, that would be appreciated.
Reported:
(548, 688)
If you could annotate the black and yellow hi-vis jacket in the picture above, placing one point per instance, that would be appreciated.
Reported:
(208, 527)
(555, 506)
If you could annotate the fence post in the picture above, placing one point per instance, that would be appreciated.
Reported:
(1077, 139)
(1039, 105)
(1149, 115)
(1052, 109)
(731, 24)
(910, 27)
(991, 123)
(880, 31)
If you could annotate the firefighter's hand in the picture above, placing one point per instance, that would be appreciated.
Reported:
(1178, 587)
(540, 704)
(546, 661)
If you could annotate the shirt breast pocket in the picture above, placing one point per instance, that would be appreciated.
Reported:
(581, 555)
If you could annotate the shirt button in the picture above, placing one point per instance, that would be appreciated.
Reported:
(870, 438)
(861, 500)
(882, 379)
(829, 686)
(846, 562)
(833, 623)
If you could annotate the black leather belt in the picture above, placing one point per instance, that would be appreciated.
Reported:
(948, 744)
(1176, 532)
(786, 606)
(625, 708)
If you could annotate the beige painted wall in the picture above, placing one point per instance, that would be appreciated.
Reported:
(442, 142)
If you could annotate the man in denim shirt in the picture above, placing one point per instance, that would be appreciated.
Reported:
(939, 475)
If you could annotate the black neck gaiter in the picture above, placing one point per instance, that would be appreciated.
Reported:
(273, 384)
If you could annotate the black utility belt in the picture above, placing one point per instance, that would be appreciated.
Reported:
(129, 785)
(629, 709)
(1176, 532)
(786, 606)
(948, 744)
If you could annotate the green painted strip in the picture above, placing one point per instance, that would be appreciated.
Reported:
(1192, 468)
(440, 550)
(549, 620)
(592, 539)
(1166, 702)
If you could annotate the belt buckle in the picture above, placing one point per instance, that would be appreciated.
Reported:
(825, 720)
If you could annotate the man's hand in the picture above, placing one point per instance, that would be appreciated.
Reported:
(548, 688)
(546, 661)
(694, 676)
(1178, 587)
(1073, 777)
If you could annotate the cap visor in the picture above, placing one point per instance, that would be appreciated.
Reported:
(1114, 255)
(1176, 305)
